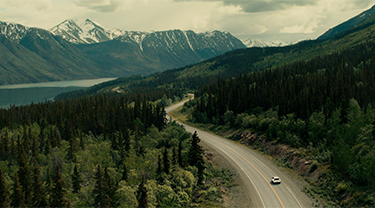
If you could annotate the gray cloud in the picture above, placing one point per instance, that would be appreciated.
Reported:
(254, 6)
(99, 5)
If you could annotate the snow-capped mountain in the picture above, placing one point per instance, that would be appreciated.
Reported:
(13, 31)
(86, 32)
(250, 43)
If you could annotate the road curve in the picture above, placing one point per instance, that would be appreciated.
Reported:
(255, 172)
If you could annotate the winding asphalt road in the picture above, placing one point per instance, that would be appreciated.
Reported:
(255, 172)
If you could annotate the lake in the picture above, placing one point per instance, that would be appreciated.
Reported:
(23, 94)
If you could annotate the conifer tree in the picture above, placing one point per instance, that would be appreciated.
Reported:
(24, 173)
(166, 163)
(174, 156)
(101, 197)
(5, 150)
(142, 195)
(18, 196)
(58, 191)
(196, 157)
(81, 141)
(180, 158)
(4, 192)
(76, 180)
(71, 155)
(125, 173)
(195, 151)
(35, 149)
(112, 187)
(159, 168)
(39, 194)
(47, 146)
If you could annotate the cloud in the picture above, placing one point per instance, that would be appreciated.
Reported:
(255, 6)
(100, 5)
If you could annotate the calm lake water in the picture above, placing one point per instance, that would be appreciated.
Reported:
(22, 94)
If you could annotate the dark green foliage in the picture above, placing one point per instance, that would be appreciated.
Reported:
(166, 161)
(39, 194)
(181, 162)
(142, 196)
(58, 191)
(101, 191)
(4, 147)
(125, 171)
(196, 157)
(76, 180)
(24, 173)
(4, 191)
(18, 195)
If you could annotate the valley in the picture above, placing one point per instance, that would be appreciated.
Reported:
(303, 112)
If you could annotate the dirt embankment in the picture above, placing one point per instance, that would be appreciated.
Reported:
(290, 157)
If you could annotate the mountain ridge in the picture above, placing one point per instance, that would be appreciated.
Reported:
(348, 24)
(32, 55)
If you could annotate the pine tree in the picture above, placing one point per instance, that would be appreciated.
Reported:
(76, 180)
(58, 191)
(39, 194)
(166, 163)
(142, 196)
(101, 197)
(125, 173)
(180, 158)
(24, 173)
(112, 187)
(159, 168)
(4, 192)
(71, 155)
(195, 151)
(18, 196)
(35, 147)
(5, 151)
(196, 157)
(174, 156)
(81, 141)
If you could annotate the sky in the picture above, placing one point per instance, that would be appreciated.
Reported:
(285, 20)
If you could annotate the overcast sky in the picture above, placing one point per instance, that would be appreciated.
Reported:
(286, 20)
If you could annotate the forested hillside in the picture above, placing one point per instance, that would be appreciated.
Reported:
(324, 106)
(102, 151)
(241, 61)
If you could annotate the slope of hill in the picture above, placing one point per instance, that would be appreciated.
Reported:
(35, 55)
(348, 24)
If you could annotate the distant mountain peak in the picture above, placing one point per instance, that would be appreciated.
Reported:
(84, 31)
(250, 43)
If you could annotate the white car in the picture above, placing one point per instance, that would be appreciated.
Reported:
(275, 180)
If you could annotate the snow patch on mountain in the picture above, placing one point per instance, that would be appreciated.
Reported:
(13, 31)
(84, 32)
(250, 43)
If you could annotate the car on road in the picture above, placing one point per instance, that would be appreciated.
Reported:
(275, 180)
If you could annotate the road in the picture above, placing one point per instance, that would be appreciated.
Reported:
(255, 172)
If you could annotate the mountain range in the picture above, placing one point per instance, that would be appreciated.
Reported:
(81, 50)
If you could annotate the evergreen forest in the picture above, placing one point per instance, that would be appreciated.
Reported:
(103, 151)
